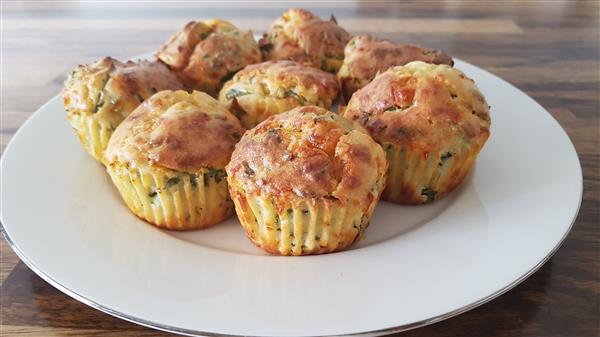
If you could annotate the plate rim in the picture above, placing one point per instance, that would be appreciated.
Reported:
(191, 332)
(377, 332)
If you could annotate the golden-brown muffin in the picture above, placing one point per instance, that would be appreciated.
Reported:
(365, 56)
(431, 120)
(167, 160)
(300, 36)
(98, 96)
(261, 90)
(206, 54)
(306, 181)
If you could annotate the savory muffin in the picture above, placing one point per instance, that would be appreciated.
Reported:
(206, 54)
(431, 120)
(301, 36)
(167, 160)
(98, 96)
(365, 56)
(306, 181)
(261, 90)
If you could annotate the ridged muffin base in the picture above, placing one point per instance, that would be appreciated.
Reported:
(94, 136)
(311, 226)
(417, 177)
(174, 200)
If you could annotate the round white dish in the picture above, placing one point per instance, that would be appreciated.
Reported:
(417, 265)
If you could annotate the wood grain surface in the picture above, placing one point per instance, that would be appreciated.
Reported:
(549, 49)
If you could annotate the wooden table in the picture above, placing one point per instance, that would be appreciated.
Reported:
(549, 49)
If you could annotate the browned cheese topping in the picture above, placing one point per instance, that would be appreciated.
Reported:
(421, 105)
(365, 56)
(206, 54)
(300, 36)
(308, 152)
(178, 131)
(111, 90)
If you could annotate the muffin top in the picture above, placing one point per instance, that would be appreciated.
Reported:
(365, 56)
(176, 130)
(301, 36)
(308, 152)
(283, 79)
(205, 54)
(111, 89)
(421, 105)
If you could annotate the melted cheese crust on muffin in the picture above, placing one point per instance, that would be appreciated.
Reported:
(111, 89)
(308, 152)
(365, 56)
(300, 36)
(178, 131)
(261, 90)
(421, 105)
(205, 54)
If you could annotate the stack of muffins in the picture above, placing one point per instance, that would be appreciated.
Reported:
(206, 129)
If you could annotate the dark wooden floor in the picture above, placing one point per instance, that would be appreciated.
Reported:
(549, 49)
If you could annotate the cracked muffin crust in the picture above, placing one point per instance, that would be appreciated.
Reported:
(301, 36)
(206, 54)
(98, 96)
(261, 90)
(365, 56)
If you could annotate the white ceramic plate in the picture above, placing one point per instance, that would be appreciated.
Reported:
(417, 265)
